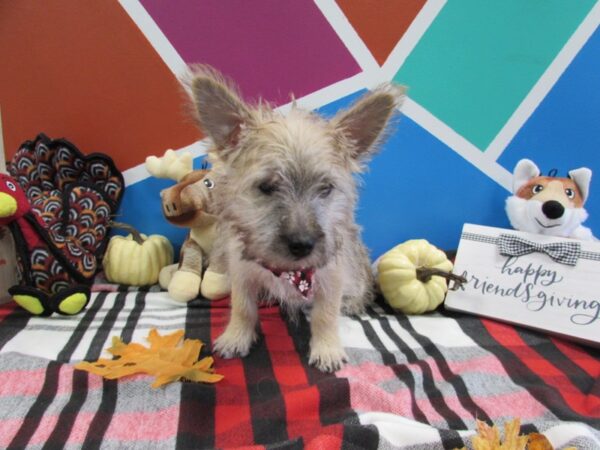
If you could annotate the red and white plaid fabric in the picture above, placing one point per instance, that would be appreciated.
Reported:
(411, 382)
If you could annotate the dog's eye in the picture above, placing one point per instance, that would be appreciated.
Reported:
(209, 183)
(267, 187)
(570, 192)
(537, 189)
(325, 190)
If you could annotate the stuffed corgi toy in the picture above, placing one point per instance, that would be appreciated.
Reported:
(549, 205)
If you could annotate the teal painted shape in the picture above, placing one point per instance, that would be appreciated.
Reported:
(479, 59)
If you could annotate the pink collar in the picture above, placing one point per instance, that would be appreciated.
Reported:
(300, 279)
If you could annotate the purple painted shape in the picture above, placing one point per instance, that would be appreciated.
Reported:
(271, 48)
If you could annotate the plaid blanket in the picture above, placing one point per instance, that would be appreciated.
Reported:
(411, 382)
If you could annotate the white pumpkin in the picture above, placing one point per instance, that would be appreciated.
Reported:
(412, 276)
(136, 259)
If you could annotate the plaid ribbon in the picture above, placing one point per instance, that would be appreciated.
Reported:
(562, 252)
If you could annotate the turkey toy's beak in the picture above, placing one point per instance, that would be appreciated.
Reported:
(8, 205)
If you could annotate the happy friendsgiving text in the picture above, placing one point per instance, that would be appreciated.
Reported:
(535, 287)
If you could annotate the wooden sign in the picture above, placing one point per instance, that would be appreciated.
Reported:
(547, 283)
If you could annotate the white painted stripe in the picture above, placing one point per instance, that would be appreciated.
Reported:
(328, 94)
(155, 36)
(139, 172)
(411, 37)
(346, 32)
(545, 83)
(458, 143)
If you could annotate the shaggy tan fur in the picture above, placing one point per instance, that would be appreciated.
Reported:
(285, 192)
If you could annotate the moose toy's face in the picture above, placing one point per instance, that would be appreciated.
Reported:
(13, 202)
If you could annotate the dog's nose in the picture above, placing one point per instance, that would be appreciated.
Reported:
(300, 245)
(553, 209)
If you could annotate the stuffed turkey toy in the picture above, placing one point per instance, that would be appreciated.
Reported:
(549, 205)
(58, 204)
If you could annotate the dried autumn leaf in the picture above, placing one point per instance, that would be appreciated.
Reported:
(538, 441)
(167, 358)
(488, 437)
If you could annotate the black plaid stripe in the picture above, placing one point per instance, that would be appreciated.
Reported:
(458, 384)
(13, 324)
(108, 403)
(388, 359)
(267, 407)
(50, 387)
(197, 400)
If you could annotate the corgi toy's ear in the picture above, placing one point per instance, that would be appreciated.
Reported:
(524, 171)
(582, 178)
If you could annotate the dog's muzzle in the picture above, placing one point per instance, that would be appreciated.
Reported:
(300, 245)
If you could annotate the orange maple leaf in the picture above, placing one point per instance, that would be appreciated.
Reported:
(488, 438)
(167, 358)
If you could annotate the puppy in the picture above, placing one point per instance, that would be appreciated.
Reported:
(285, 189)
(549, 205)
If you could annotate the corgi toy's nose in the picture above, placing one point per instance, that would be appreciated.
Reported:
(553, 209)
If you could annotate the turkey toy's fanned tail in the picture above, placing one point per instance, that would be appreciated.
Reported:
(73, 198)
(45, 165)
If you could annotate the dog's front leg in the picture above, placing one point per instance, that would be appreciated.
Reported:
(240, 333)
(326, 351)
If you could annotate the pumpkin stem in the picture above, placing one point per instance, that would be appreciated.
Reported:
(424, 274)
(137, 236)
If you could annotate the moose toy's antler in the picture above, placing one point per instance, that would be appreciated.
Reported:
(170, 165)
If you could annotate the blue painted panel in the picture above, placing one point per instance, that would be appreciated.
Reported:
(564, 131)
(417, 187)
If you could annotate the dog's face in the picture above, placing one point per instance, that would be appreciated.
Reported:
(547, 205)
(285, 184)
(288, 192)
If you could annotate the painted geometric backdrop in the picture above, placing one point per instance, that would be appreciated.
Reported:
(489, 84)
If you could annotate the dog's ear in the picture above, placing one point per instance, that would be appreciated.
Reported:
(524, 171)
(582, 178)
(363, 124)
(219, 109)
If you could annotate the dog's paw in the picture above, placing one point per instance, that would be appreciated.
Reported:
(327, 358)
(235, 342)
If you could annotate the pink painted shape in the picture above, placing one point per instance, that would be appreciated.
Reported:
(270, 48)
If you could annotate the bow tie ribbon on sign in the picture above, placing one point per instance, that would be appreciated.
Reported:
(562, 252)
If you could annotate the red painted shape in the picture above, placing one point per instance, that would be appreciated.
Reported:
(84, 71)
(381, 23)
